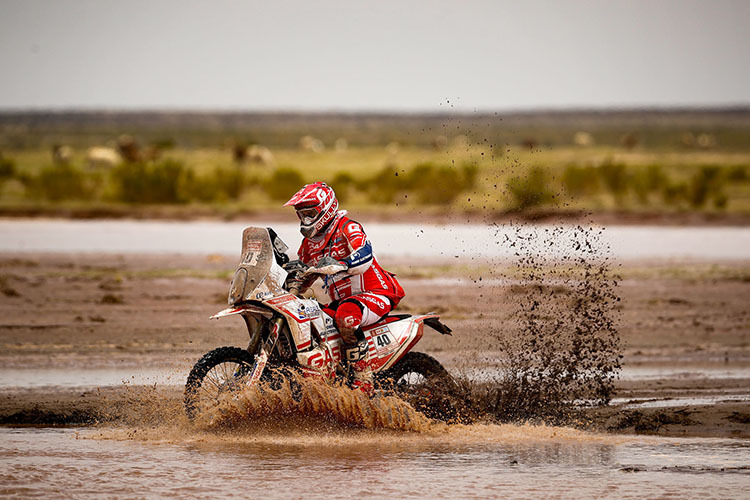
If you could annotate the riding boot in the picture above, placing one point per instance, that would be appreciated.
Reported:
(357, 359)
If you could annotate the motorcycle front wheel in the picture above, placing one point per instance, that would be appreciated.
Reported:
(219, 371)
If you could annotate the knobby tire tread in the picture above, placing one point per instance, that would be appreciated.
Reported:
(205, 364)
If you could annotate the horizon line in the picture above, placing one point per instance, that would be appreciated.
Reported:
(741, 107)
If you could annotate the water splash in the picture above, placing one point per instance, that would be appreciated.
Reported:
(311, 402)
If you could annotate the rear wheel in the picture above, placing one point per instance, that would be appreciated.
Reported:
(421, 380)
(413, 371)
(219, 371)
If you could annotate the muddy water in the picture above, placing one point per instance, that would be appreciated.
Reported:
(476, 462)
(20, 378)
(416, 240)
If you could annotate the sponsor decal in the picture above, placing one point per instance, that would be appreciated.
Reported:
(254, 246)
(251, 258)
(379, 331)
(312, 310)
(379, 303)
(301, 314)
(283, 299)
(323, 358)
(380, 278)
(263, 295)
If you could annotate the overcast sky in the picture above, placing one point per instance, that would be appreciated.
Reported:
(377, 55)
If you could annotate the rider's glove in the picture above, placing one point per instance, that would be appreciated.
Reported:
(295, 266)
(328, 266)
(296, 275)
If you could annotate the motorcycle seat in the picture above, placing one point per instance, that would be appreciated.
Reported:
(388, 318)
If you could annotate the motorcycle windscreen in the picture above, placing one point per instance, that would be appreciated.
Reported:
(255, 265)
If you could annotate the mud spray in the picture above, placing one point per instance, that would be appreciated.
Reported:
(321, 415)
(558, 352)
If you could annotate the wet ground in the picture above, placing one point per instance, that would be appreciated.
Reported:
(74, 327)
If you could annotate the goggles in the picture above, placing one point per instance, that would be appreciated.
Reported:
(307, 215)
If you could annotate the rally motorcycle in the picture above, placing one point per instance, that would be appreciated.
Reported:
(289, 333)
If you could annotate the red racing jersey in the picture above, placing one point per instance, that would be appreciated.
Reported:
(346, 242)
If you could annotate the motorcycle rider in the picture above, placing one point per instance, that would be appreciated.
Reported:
(361, 291)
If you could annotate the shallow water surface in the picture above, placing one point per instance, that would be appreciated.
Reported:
(481, 462)
(389, 239)
(30, 378)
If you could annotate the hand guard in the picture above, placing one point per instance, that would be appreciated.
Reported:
(295, 266)
(327, 266)
(296, 275)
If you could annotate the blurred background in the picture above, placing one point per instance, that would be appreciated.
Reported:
(625, 110)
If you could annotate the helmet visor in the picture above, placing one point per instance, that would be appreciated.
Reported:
(307, 215)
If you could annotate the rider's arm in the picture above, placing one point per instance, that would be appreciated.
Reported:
(360, 259)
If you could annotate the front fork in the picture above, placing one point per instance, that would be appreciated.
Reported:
(265, 351)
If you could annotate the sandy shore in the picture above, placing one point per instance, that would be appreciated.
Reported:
(686, 334)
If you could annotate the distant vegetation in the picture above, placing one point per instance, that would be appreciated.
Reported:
(555, 162)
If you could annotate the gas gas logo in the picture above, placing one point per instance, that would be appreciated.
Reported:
(321, 359)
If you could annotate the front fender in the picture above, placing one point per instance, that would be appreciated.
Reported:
(231, 311)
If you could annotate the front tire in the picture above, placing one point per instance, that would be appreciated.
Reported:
(218, 371)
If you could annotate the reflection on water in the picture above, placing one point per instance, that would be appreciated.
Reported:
(21, 378)
(33, 378)
(52, 462)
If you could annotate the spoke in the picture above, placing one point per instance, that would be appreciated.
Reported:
(211, 377)
(212, 396)
(216, 388)
(223, 367)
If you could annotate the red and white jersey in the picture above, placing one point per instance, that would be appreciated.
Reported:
(346, 241)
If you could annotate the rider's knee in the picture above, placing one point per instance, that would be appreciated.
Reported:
(349, 315)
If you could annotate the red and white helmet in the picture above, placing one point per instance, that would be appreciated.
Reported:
(316, 207)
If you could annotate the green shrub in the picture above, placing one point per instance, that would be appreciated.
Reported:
(385, 185)
(530, 191)
(230, 182)
(438, 185)
(60, 182)
(738, 173)
(343, 183)
(706, 183)
(431, 184)
(615, 178)
(469, 174)
(284, 183)
(220, 184)
(646, 181)
(7, 168)
(674, 194)
(721, 200)
(149, 182)
(164, 143)
(579, 181)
